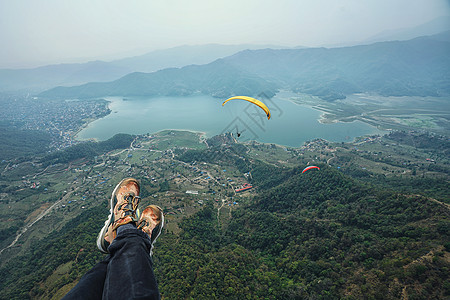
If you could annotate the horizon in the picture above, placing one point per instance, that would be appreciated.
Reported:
(48, 33)
(256, 46)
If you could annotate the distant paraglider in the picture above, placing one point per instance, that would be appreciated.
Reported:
(251, 100)
(309, 168)
(238, 133)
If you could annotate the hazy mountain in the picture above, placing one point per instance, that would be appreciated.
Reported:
(39, 79)
(433, 27)
(217, 79)
(181, 56)
(42, 78)
(416, 67)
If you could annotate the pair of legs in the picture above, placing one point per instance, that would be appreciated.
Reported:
(127, 237)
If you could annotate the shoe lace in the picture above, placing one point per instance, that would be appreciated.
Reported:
(130, 205)
(143, 223)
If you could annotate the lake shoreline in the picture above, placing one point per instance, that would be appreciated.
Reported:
(199, 115)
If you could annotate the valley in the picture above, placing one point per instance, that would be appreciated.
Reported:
(186, 174)
(325, 177)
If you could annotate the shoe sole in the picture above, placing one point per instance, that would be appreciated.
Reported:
(159, 231)
(102, 244)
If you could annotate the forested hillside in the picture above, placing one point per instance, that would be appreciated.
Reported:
(324, 234)
(316, 235)
(20, 143)
(88, 149)
(326, 238)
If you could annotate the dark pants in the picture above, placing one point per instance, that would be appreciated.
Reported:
(126, 273)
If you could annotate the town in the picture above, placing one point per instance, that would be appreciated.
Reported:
(62, 119)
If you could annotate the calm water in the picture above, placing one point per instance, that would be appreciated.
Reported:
(290, 125)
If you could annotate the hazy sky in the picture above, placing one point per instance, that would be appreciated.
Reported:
(39, 32)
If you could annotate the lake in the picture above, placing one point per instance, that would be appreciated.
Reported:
(290, 125)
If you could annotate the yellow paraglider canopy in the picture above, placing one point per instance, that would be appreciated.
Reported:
(252, 100)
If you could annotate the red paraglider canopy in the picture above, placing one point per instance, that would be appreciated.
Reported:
(309, 168)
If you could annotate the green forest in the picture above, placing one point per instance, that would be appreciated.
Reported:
(324, 234)
(88, 150)
(19, 143)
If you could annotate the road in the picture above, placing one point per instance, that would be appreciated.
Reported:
(43, 214)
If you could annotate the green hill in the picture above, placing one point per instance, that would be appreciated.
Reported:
(218, 79)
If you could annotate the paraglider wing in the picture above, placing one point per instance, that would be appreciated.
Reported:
(309, 168)
(251, 100)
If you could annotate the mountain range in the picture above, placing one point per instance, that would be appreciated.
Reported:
(417, 67)
(36, 80)
(39, 79)
(433, 27)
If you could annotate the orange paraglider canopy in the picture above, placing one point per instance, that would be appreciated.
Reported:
(309, 168)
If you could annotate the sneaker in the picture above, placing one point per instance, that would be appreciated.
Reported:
(123, 207)
(151, 221)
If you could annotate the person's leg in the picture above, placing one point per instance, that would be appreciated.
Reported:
(91, 284)
(127, 272)
(130, 269)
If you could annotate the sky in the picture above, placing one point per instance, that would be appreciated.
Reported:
(41, 32)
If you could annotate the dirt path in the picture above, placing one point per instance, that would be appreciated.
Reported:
(117, 152)
(439, 202)
(39, 217)
(218, 211)
(427, 258)
(328, 161)
(447, 206)
(6, 168)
